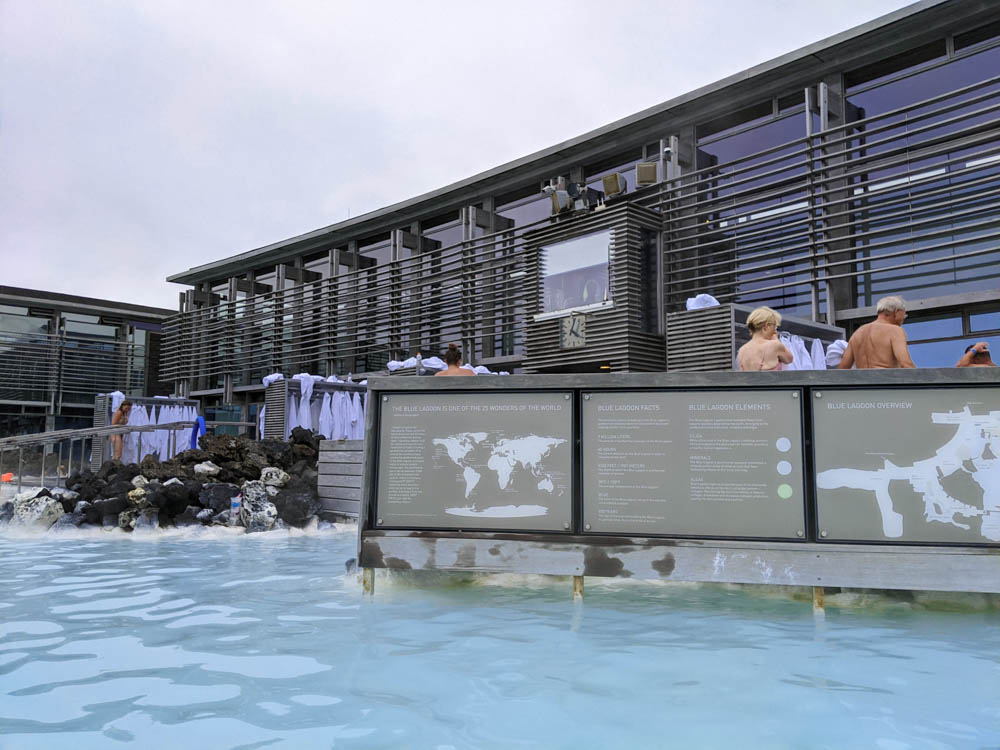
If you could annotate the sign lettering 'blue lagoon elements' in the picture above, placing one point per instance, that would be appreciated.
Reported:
(483, 460)
(931, 473)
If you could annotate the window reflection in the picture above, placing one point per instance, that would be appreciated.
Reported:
(576, 272)
(989, 321)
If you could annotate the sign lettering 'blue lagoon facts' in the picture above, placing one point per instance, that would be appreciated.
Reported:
(908, 465)
(708, 463)
(476, 461)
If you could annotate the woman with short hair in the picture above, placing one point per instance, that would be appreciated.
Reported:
(764, 352)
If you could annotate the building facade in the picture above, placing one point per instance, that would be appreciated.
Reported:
(58, 351)
(863, 165)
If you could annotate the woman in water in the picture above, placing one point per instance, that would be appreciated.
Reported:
(763, 352)
(453, 358)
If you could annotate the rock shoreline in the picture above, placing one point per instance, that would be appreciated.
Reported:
(275, 481)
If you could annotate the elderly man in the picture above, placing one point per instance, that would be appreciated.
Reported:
(881, 343)
(977, 355)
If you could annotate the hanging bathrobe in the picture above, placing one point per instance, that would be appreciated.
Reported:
(817, 355)
(357, 418)
(326, 418)
(303, 415)
(260, 423)
(339, 415)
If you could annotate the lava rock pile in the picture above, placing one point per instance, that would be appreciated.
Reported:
(276, 481)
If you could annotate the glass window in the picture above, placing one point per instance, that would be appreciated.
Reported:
(989, 321)
(897, 63)
(969, 38)
(933, 328)
(736, 119)
(946, 353)
(575, 272)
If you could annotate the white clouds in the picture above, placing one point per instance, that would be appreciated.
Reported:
(147, 138)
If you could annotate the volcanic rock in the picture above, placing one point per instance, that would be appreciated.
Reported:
(218, 496)
(172, 481)
(117, 489)
(109, 467)
(6, 510)
(32, 493)
(189, 517)
(137, 498)
(147, 520)
(305, 452)
(68, 521)
(207, 469)
(205, 516)
(40, 510)
(223, 447)
(296, 504)
(257, 513)
(111, 506)
(274, 477)
(126, 519)
(221, 519)
(139, 481)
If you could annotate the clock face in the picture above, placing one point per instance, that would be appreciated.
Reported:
(573, 332)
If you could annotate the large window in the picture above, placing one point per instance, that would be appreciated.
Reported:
(575, 273)
(939, 340)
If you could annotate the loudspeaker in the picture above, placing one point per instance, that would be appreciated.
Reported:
(645, 173)
(614, 184)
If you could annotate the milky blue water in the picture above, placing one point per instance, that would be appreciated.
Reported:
(263, 641)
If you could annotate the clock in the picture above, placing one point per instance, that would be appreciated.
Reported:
(573, 332)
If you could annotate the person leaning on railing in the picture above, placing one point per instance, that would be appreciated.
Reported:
(763, 352)
(119, 417)
(977, 355)
(880, 344)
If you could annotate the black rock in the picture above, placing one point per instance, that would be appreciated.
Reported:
(189, 517)
(88, 486)
(110, 521)
(306, 452)
(310, 476)
(296, 505)
(67, 503)
(109, 468)
(192, 456)
(91, 513)
(68, 521)
(111, 506)
(118, 489)
(218, 496)
(274, 452)
(298, 468)
(223, 448)
(151, 468)
(6, 511)
(301, 436)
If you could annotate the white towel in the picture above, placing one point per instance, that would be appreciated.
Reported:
(817, 355)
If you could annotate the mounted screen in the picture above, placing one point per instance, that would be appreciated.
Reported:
(485, 461)
(576, 272)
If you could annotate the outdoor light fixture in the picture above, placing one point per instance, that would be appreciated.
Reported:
(645, 173)
(614, 184)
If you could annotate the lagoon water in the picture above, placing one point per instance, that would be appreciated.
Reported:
(263, 641)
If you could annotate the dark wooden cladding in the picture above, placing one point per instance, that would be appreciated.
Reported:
(615, 335)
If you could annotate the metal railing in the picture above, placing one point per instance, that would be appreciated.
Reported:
(71, 437)
(894, 203)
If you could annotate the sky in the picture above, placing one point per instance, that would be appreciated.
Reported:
(140, 139)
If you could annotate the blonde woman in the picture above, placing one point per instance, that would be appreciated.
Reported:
(763, 352)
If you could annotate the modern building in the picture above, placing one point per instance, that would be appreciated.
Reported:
(58, 351)
(863, 165)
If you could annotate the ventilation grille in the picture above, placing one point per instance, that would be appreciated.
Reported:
(700, 340)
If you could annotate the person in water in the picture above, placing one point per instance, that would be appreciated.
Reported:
(880, 344)
(120, 417)
(763, 352)
(453, 358)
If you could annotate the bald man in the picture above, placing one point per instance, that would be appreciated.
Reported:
(880, 344)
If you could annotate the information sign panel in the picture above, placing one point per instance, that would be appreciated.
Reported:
(708, 463)
(481, 460)
(908, 464)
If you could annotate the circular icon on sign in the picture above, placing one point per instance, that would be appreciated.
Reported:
(784, 468)
(783, 444)
(784, 491)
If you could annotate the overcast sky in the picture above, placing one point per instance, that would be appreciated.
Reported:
(139, 139)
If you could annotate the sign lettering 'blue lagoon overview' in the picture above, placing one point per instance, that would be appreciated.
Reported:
(931, 473)
(484, 460)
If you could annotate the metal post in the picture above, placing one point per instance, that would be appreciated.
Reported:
(41, 480)
(20, 466)
(138, 459)
(577, 588)
(59, 464)
(368, 580)
(819, 606)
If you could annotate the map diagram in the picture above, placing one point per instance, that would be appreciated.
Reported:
(973, 449)
(513, 466)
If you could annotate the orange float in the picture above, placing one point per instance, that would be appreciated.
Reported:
(8, 477)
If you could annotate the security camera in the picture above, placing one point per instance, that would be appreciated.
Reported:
(667, 150)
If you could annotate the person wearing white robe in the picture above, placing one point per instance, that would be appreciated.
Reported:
(357, 418)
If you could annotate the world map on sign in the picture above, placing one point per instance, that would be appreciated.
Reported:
(494, 466)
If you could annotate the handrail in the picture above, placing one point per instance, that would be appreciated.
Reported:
(43, 438)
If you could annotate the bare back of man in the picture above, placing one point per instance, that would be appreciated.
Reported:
(878, 344)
